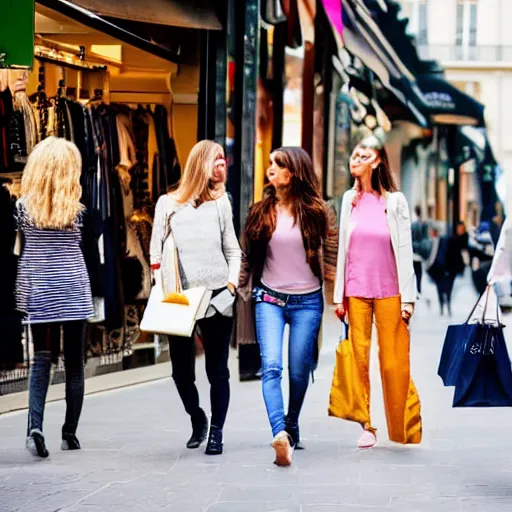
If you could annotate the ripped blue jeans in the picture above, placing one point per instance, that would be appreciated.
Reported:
(303, 313)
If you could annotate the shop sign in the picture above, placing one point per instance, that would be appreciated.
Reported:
(440, 100)
(17, 33)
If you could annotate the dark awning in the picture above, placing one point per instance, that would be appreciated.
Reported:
(364, 39)
(448, 105)
(197, 14)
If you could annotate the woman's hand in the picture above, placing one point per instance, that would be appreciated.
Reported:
(407, 311)
(340, 311)
(232, 288)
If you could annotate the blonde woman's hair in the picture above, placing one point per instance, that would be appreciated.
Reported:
(196, 182)
(50, 187)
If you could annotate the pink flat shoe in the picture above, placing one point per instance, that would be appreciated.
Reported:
(367, 440)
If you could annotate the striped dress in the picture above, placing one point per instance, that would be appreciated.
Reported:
(52, 283)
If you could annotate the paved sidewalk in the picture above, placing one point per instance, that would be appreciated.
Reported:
(134, 457)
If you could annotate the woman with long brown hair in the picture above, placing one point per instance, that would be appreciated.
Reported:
(284, 240)
(201, 221)
(375, 278)
(52, 287)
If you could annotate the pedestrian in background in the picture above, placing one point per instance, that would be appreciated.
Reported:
(53, 288)
(421, 246)
(375, 278)
(201, 223)
(285, 239)
(446, 263)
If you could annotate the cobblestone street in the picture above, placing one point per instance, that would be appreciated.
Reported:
(134, 459)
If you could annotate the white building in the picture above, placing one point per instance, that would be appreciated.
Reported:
(472, 39)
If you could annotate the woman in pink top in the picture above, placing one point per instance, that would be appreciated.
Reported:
(285, 239)
(375, 278)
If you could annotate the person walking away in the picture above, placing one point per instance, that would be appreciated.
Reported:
(285, 241)
(201, 221)
(445, 264)
(421, 245)
(53, 289)
(375, 278)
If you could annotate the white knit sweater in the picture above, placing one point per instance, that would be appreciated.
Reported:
(209, 253)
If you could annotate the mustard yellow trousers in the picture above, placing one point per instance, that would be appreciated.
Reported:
(401, 400)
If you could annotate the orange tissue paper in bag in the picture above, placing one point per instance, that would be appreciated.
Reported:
(177, 298)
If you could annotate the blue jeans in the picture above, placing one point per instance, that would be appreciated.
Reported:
(303, 313)
(47, 338)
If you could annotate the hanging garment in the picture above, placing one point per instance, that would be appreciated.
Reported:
(140, 171)
(11, 348)
(113, 238)
(22, 105)
(6, 111)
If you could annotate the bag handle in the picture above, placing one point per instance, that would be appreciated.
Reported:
(347, 328)
(168, 233)
(486, 293)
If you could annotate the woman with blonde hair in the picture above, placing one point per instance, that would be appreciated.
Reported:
(375, 278)
(52, 288)
(200, 219)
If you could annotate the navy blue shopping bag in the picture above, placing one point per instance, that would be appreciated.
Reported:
(485, 375)
(455, 342)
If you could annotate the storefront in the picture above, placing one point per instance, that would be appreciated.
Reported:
(134, 97)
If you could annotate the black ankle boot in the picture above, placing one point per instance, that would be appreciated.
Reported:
(293, 432)
(70, 442)
(199, 431)
(214, 446)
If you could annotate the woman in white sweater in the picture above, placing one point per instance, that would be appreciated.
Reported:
(209, 256)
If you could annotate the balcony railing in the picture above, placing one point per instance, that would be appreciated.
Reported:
(481, 53)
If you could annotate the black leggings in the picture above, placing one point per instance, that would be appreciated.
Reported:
(46, 339)
(216, 333)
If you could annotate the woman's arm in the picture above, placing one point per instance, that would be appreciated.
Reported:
(230, 245)
(331, 245)
(406, 274)
(158, 232)
(339, 283)
(502, 262)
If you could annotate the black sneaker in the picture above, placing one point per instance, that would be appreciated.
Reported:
(199, 431)
(36, 444)
(70, 442)
(215, 445)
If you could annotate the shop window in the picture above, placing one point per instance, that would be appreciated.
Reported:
(466, 29)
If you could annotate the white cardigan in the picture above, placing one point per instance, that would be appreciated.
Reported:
(399, 222)
(502, 262)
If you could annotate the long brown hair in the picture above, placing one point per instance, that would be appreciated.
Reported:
(382, 177)
(307, 206)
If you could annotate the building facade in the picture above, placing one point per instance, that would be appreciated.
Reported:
(472, 40)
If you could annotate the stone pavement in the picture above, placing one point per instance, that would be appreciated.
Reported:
(134, 457)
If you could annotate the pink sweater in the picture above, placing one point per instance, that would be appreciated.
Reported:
(371, 268)
(286, 269)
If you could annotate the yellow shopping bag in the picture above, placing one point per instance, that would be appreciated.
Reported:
(346, 390)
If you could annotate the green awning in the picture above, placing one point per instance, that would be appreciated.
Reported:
(17, 34)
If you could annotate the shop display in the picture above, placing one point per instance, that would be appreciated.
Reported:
(128, 160)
